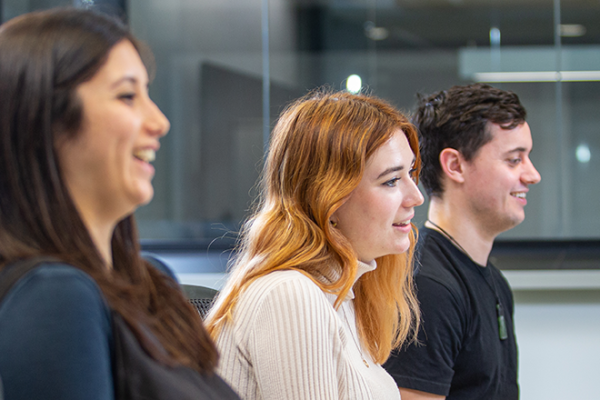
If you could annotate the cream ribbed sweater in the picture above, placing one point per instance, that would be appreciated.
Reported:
(286, 341)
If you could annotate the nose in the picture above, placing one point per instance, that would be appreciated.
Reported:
(413, 196)
(155, 121)
(530, 175)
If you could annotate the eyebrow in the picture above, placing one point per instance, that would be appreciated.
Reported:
(395, 169)
(517, 150)
(130, 79)
(390, 170)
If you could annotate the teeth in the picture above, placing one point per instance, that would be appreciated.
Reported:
(403, 223)
(147, 155)
(520, 195)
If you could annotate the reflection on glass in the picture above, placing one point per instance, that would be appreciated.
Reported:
(209, 58)
(583, 153)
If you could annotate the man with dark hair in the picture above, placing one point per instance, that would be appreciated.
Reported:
(475, 147)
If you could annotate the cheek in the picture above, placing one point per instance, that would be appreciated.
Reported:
(369, 207)
(378, 212)
(117, 124)
(120, 144)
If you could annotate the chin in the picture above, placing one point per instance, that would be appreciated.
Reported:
(147, 199)
(402, 248)
(510, 223)
(142, 196)
(517, 218)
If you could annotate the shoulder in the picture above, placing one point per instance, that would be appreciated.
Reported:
(49, 280)
(276, 310)
(438, 264)
(282, 294)
(440, 281)
(432, 247)
(285, 285)
(159, 264)
(55, 319)
(437, 274)
(56, 288)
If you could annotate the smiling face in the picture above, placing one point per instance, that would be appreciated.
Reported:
(376, 216)
(496, 181)
(106, 165)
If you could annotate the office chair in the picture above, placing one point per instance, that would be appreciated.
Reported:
(201, 297)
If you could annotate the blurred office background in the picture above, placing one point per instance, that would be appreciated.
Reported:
(226, 68)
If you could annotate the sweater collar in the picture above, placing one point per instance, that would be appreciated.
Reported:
(361, 269)
(334, 274)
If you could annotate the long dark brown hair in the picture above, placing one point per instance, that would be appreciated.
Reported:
(44, 56)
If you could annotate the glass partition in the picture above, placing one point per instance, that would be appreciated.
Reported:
(226, 68)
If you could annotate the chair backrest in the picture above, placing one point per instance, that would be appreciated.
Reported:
(201, 297)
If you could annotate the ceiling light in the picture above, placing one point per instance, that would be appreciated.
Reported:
(583, 153)
(537, 76)
(376, 32)
(495, 36)
(353, 83)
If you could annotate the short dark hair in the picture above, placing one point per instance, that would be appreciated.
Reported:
(458, 118)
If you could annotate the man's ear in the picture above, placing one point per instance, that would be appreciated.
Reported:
(452, 163)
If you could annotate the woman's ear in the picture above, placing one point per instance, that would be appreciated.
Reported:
(452, 163)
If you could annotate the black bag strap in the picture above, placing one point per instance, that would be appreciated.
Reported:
(17, 269)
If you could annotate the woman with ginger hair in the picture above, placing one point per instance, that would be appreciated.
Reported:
(324, 270)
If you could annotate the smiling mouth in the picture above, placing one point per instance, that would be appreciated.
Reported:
(146, 155)
(403, 223)
(520, 195)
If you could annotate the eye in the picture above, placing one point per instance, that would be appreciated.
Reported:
(514, 161)
(391, 182)
(127, 97)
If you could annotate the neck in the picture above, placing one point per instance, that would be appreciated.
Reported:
(470, 236)
(101, 234)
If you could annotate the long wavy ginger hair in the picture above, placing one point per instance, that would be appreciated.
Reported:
(318, 152)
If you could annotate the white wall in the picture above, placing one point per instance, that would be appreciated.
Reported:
(558, 334)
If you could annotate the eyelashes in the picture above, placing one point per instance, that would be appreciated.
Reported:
(127, 97)
(391, 182)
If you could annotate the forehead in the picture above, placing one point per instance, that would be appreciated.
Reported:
(123, 60)
(506, 141)
(394, 152)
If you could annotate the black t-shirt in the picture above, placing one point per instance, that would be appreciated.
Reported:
(460, 354)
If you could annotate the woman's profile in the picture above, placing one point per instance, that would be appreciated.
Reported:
(78, 133)
(324, 270)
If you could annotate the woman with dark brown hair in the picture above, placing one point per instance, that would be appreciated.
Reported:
(77, 135)
(312, 306)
